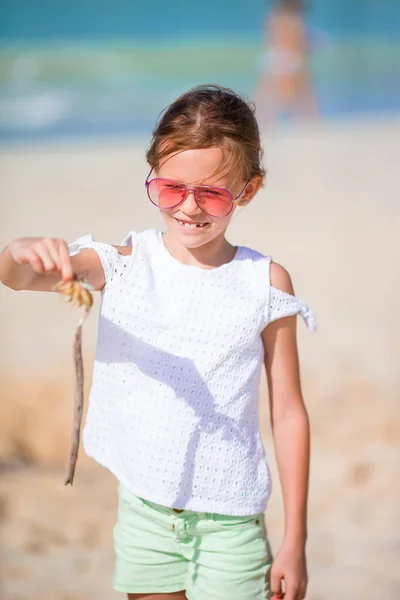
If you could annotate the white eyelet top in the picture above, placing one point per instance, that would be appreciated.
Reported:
(173, 408)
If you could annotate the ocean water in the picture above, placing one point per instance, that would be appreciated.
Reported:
(92, 67)
(140, 19)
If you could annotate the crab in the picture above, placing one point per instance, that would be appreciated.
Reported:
(77, 292)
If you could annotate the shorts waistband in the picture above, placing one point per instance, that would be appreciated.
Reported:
(182, 513)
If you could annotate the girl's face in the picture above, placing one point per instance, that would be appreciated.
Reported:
(195, 168)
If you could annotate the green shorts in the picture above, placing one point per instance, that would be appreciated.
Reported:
(211, 556)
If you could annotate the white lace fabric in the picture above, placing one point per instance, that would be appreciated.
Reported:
(173, 408)
(282, 304)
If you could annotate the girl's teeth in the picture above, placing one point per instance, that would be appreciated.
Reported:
(191, 225)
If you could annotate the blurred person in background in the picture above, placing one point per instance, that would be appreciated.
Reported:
(285, 87)
(186, 323)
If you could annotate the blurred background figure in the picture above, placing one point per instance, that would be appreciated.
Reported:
(285, 86)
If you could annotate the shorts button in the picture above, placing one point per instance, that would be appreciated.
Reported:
(173, 527)
(257, 522)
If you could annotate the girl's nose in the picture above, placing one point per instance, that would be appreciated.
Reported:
(189, 206)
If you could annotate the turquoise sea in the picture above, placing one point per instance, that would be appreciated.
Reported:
(96, 67)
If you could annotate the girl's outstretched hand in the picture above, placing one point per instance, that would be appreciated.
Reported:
(44, 255)
(289, 565)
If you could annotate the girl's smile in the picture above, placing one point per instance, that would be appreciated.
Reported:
(191, 226)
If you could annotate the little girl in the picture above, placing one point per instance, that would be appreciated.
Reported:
(186, 322)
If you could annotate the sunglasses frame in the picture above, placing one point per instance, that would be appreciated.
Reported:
(193, 191)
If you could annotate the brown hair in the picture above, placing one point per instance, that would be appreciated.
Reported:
(210, 116)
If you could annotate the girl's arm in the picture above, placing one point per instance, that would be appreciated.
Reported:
(290, 427)
(39, 263)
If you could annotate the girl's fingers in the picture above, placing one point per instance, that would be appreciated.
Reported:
(34, 260)
(67, 271)
(290, 593)
(276, 586)
(52, 249)
(45, 257)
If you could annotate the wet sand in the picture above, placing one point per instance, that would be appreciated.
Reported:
(330, 214)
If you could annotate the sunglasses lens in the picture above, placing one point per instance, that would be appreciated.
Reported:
(214, 201)
(165, 194)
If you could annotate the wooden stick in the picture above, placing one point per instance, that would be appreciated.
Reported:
(78, 407)
(77, 292)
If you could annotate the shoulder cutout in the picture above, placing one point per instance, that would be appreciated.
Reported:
(281, 299)
(280, 278)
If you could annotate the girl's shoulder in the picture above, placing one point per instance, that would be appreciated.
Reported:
(280, 278)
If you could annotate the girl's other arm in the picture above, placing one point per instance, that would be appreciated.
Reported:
(39, 263)
(290, 427)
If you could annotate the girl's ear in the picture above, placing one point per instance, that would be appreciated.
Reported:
(251, 190)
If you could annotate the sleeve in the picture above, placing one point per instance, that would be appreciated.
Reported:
(114, 264)
(281, 304)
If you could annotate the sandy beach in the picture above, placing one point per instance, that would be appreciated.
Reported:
(329, 213)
